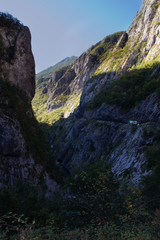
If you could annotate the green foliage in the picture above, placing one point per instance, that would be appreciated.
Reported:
(11, 224)
(151, 182)
(7, 20)
(39, 102)
(49, 118)
(130, 89)
(23, 198)
(96, 192)
(101, 50)
(134, 224)
(47, 73)
(21, 210)
(155, 6)
(93, 208)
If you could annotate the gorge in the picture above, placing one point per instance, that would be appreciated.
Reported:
(86, 159)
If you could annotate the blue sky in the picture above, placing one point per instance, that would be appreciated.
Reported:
(63, 28)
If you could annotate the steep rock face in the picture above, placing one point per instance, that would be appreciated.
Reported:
(15, 161)
(118, 117)
(136, 48)
(145, 29)
(24, 155)
(80, 142)
(69, 83)
(48, 87)
(17, 62)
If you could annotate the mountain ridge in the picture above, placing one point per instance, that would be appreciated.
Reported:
(39, 102)
(106, 146)
(118, 80)
(47, 73)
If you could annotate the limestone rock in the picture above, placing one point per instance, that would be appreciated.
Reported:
(106, 132)
(17, 65)
(19, 131)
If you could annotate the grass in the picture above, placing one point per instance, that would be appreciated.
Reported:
(155, 6)
(97, 211)
(103, 49)
(113, 60)
(39, 102)
(47, 73)
(70, 103)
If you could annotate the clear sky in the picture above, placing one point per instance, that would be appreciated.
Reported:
(63, 28)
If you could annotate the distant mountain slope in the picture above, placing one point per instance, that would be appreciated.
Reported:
(59, 95)
(47, 73)
(118, 118)
(39, 102)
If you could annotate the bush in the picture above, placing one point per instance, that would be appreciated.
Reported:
(7, 20)
(129, 90)
(96, 192)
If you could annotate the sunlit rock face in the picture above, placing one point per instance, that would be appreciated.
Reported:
(122, 131)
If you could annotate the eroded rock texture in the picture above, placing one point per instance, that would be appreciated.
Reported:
(24, 155)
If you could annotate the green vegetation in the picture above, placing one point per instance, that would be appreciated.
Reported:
(7, 20)
(102, 50)
(152, 181)
(113, 60)
(115, 57)
(47, 73)
(94, 208)
(43, 116)
(156, 5)
(39, 102)
(130, 89)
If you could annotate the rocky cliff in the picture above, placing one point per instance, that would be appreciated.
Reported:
(118, 117)
(24, 155)
(17, 62)
(66, 86)
(42, 103)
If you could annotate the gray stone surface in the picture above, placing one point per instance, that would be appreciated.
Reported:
(19, 68)
(16, 159)
(107, 133)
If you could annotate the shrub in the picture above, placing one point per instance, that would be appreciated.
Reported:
(96, 193)
(7, 20)
(129, 90)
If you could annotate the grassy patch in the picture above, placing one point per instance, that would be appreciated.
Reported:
(47, 73)
(39, 102)
(102, 50)
(155, 6)
(70, 103)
